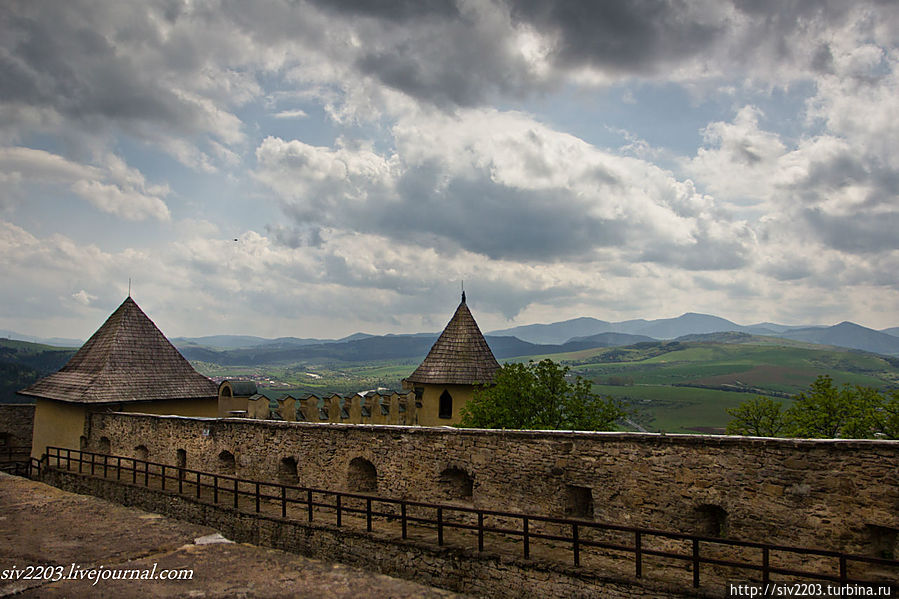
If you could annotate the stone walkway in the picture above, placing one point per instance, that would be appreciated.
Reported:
(42, 525)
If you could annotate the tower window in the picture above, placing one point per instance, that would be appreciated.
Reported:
(446, 405)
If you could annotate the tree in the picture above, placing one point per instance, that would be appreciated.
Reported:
(886, 417)
(829, 412)
(759, 417)
(539, 396)
(825, 411)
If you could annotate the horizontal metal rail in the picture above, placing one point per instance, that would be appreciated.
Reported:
(14, 453)
(173, 478)
(29, 468)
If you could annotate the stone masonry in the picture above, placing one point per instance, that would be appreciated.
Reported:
(16, 424)
(839, 495)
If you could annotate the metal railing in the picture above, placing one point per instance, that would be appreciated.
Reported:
(14, 453)
(572, 531)
(30, 468)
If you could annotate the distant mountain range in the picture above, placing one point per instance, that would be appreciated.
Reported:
(385, 347)
(845, 334)
(662, 328)
(54, 341)
(535, 339)
(225, 342)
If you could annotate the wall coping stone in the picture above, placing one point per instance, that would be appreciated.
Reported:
(610, 436)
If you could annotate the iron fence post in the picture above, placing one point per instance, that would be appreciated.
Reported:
(575, 546)
(527, 540)
(695, 563)
(638, 554)
(480, 531)
(338, 509)
(403, 512)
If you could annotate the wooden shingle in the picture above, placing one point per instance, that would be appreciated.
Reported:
(460, 355)
(127, 359)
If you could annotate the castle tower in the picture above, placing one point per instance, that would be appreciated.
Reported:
(128, 365)
(446, 379)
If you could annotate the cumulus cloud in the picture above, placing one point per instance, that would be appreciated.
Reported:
(505, 186)
(427, 169)
(113, 187)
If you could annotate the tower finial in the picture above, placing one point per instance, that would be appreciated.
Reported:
(129, 286)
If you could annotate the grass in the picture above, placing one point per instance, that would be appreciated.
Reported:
(662, 408)
(677, 387)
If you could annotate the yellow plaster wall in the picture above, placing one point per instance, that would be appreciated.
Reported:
(309, 409)
(57, 423)
(287, 407)
(227, 404)
(428, 414)
(178, 407)
(258, 408)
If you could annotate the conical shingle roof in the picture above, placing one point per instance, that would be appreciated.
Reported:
(460, 356)
(127, 359)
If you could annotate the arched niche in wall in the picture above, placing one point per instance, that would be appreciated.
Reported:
(361, 476)
(287, 471)
(710, 520)
(578, 501)
(456, 483)
(141, 452)
(226, 463)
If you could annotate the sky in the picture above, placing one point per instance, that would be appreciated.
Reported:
(316, 168)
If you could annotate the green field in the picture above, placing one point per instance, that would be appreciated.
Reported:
(661, 408)
(687, 387)
(683, 387)
(276, 380)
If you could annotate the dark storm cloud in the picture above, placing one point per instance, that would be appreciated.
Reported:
(54, 58)
(858, 233)
(396, 10)
(635, 36)
(498, 221)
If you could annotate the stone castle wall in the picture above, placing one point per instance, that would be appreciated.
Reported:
(841, 495)
(462, 570)
(16, 425)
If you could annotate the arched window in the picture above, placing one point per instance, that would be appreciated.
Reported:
(446, 405)
(287, 471)
(226, 392)
(226, 462)
(104, 445)
(141, 452)
(361, 476)
(456, 484)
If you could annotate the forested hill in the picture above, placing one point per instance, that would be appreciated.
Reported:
(22, 363)
(386, 347)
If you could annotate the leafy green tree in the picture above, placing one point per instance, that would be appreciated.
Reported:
(539, 396)
(825, 411)
(886, 417)
(759, 417)
(831, 412)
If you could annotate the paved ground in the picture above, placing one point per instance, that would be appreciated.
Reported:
(42, 525)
